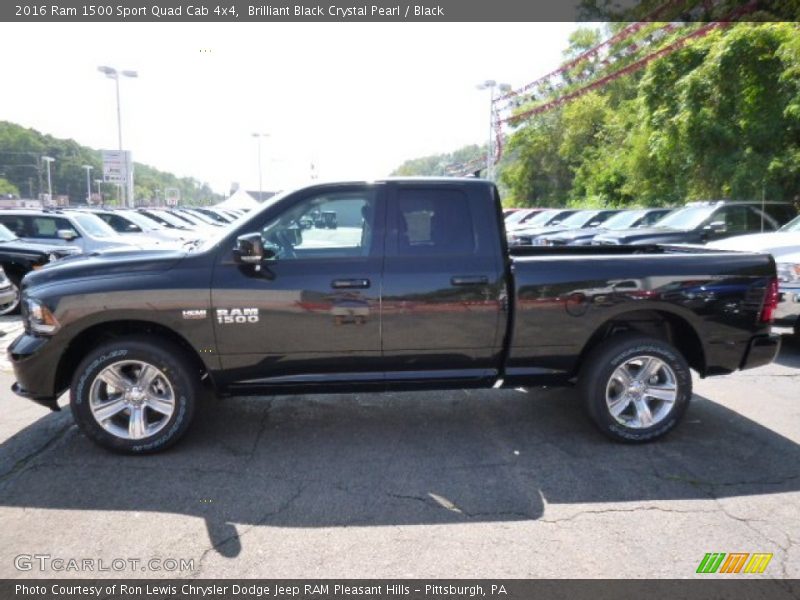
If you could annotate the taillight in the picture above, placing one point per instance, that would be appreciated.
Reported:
(770, 301)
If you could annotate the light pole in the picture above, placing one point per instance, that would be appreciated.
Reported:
(491, 84)
(97, 182)
(88, 183)
(47, 160)
(112, 73)
(258, 136)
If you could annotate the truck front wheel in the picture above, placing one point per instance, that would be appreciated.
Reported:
(636, 388)
(133, 395)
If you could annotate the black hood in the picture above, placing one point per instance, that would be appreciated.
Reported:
(123, 262)
(653, 235)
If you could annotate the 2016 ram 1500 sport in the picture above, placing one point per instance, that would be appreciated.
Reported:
(411, 287)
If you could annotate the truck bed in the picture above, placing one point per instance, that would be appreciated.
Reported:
(709, 300)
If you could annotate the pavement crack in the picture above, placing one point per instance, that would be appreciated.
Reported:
(623, 510)
(237, 536)
(25, 461)
(262, 429)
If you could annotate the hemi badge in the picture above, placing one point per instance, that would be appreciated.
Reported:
(199, 313)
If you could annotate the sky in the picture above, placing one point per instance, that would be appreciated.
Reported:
(356, 99)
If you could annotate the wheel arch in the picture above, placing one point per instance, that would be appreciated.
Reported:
(660, 324)
(110, 330)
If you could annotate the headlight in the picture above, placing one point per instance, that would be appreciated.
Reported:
(789, 272)
(39, 317)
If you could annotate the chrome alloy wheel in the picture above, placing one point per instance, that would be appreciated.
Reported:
(132, 399)
(641, 392)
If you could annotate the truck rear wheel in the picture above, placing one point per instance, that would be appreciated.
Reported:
(636, 388)
(134, 395)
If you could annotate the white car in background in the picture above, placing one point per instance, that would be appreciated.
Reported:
(135, 225)
(784, 245)
(81, 230)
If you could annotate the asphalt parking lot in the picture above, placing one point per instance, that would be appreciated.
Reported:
(509, 483)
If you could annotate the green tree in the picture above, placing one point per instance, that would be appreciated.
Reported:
(6, 187)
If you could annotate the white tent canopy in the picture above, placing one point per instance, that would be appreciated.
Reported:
(239, 199)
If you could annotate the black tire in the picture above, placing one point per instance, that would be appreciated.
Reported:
(15, 281)
(168, 358)
(596, 375)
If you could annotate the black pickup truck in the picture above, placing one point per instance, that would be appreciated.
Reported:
(415, 289)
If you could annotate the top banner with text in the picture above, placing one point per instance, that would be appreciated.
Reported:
(396, 10)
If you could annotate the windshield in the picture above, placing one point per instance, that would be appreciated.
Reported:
(542, 218)
(793, 225)
(225, 231)
(197, 217)
(578, 220)
(213, 215)
(685, 218)
(516, 216)
(94, 226)
(141, 220)
(623, 220)
(178, 222)
(6, 235)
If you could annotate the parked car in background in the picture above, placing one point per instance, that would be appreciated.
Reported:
(521, 216)
(784, 245)
(233, 214)
(65, 228)
(17, 259)
(786, 239)
(196, 220)
(703, 222)
(132, 223)
(627, 219)
(198, 216)
(590, 219)
(178, 220)
(9, 294)
(214, 214)
(788, 312)
(546, 218)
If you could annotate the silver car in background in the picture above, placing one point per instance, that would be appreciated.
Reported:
(82, 230)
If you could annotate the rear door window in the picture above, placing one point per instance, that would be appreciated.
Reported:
(434, 222)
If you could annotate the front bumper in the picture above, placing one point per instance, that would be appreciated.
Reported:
(788, 311)
(49, 402)
(761, 351)
(35, 360)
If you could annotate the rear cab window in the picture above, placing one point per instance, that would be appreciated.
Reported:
(434, 222)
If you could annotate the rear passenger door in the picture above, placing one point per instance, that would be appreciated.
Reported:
(443, 283)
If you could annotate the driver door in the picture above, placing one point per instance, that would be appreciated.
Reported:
(312, 314)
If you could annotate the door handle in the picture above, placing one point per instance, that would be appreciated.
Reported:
(469, 280)
(348, 284)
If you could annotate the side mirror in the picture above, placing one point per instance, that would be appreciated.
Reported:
(66, 234)
(133, 228)
(249, 249)
(716, 227)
